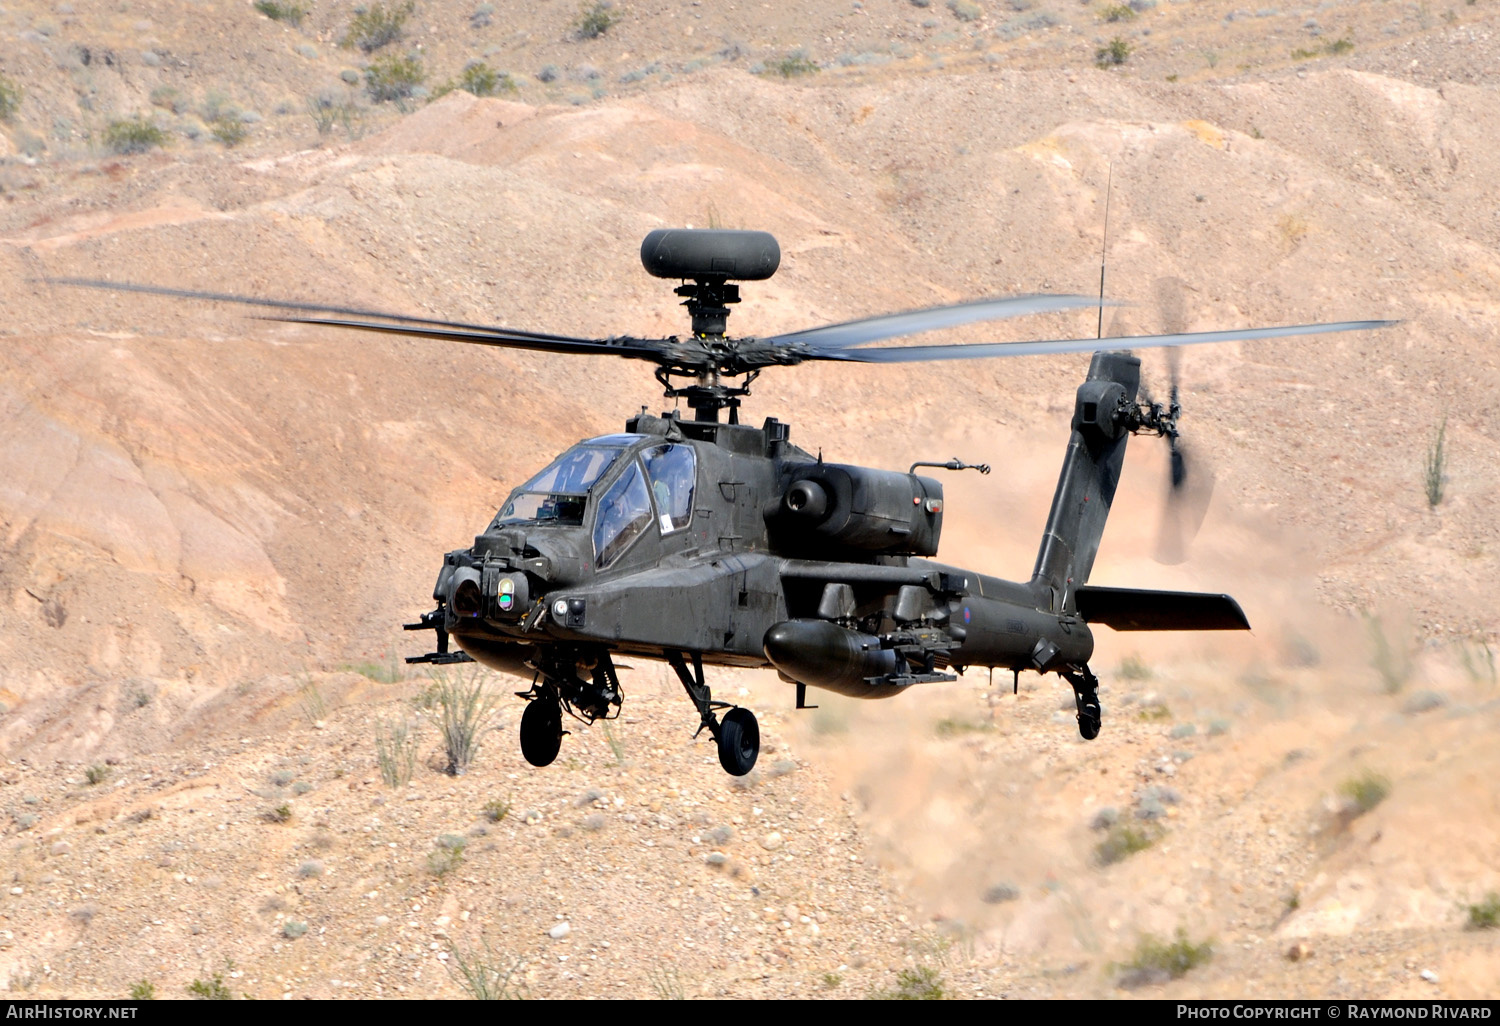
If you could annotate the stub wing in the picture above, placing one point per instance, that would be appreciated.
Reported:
(1136, 609)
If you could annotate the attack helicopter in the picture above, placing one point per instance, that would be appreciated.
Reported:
(703, 541)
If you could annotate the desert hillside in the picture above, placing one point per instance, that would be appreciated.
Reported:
(212, 526)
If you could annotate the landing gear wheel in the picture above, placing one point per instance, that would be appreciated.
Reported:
(1088, 720)
(1086, 695)
(739, 742)
(541, 731)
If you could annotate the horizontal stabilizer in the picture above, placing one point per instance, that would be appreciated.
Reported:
(1135, 609)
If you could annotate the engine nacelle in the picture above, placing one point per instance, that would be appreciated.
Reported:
(860, 508)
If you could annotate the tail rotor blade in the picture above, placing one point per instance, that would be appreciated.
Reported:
(1188, 497)
(1179, 467)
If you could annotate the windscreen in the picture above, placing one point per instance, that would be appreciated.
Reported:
(624, 513)
(672, 469)
(559, 494)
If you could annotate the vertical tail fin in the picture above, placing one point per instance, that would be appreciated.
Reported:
(1090, 474)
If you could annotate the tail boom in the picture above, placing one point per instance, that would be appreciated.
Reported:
(1090, 475)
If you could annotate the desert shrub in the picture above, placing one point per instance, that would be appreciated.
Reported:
(481, 80)
(311, 869)
(169, 98)
(1037, 21)
(328, 112)
(293, 929)
(1478, 660)
(392, 671)
(310, 698)
(1116, 52)
(1435, 465)
(1392, 661)
(96, 773)
(1121, 842)
(965, 10)
(1365, 791)
(212, 989)
(447, 856)
(377, 25)
(1155, 712)
(666, 980)
(1486, 914)
(288, 11)
(143, 990)
(395, 752)
(1175, 959)
(391, 78)
(951, 726)
(595, 19)
(1332, 48)
(792, 65)
(280, 814)
(920, 984)
(484, 975)
(134, 135)
(464, 709)
(1292, 226)
(482, 16)
(229, 129)
(10, 98)
(1117, 12)
(495, 810)
(615, 748)
(216, 104)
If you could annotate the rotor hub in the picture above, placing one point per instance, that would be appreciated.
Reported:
(708, 302)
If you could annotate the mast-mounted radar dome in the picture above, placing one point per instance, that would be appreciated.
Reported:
(710, 254)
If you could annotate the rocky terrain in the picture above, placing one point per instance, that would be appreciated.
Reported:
(213, 526)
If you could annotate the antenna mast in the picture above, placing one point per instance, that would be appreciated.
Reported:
(1104, 245)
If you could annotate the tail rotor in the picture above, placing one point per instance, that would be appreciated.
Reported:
(1190, 481)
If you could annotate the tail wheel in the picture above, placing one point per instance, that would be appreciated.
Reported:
(541, 731)
(739, 742)
(1089, 720)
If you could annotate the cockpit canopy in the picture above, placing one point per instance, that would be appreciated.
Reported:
(658, 487)
(559, 494)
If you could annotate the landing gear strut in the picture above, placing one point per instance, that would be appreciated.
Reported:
(1086, 695)
(559, 687)
(738, 735)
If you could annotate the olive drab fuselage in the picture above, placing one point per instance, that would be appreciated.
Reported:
(729, 544)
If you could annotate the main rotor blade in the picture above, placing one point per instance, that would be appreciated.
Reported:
(982, 350)
(292, 304)
(912, 322)
(640, 349)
